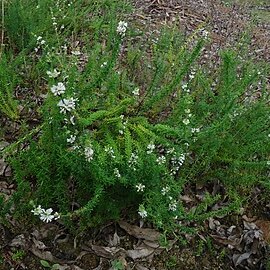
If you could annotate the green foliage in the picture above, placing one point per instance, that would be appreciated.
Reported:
(121, 131)
(8, 81)
(48, 265)
(18, 255)
(117, 265)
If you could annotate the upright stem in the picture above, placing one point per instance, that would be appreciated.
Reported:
(2, 27)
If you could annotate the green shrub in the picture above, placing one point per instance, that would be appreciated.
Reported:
(125, 132)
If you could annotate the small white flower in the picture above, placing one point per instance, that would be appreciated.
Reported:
(184, 86)
(187, 111)
(133, 160)
(75, 147)
(165, 190)
(47, 215)
(121, 131)
(71, 119)
(140, 187)
(142, 212)
(195, 130)
(161, 160)
(42, 42)
(121, 28)
(178, 160)
(109, 150)
(136, 92)
(76, 53)
(56, 215)
(58, 89)
(268, 162)
(173, 205)
(104, 64)
(71, 139)
(116, 173)
(88, 153)
(64, 47)
(186, 121)
(53, 74)
(67, 105)
(150, 148)
(39, 38)
(37, 211)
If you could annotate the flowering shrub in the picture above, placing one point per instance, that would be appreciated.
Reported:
(118, 134)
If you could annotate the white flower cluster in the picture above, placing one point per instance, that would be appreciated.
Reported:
(172, 205)
(45, 215)
(54, 23)
(122, 28)
(53, 74)
(133, 161)
(165, 190)
(192, 74)
(116, 173)
(185, 88)
(142, 212)
(177, 162)
(195, 130)
(140, 187)
(109, 150)
(136, 92)
(150, 148)
(40, 43)
(58, 89)
(71, 139)
(88, 153)
(67, 104)
(161, 160)
(124, 124)
(186, 121)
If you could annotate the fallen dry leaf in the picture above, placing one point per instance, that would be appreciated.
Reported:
(106, 252)
(140, 233)
(249, 225)
(140, 253)
(264, 226)
(186, 199)
(114, 240)
(226, 241)
(249, 219)
(239, 258)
